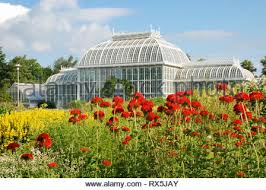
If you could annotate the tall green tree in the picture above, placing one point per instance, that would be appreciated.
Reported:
(30, 70)
(247, 64)
(4, 77)
(263, 62)
(62, 62)
(47, 72)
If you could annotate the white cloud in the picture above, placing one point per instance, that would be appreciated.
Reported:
(57, 26)
(205, 35)
(41, 46)
(9, 11)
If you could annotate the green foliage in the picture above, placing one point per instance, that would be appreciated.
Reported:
(62, 62)
(48, 105)
(263, 62)
(77, 104)
(247, 64)
(109, 87)
(6, 107)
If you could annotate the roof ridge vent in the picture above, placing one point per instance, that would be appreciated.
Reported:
(136, 35)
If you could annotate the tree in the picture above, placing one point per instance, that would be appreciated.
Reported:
(109, 87)
(263, 62)
(247, 64)
(47, 72)
(61, 62)
(4, 76)
(30, 70)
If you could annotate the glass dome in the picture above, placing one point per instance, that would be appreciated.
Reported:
(134, 48)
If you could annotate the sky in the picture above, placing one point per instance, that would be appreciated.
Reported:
(49, 29)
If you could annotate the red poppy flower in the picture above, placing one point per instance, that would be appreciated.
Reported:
(27, 156)
(237, 128)
(138, 95)
(188, 92)
(12, 146)
(105, 104)
(160, 109)
(187, 119)
(240, 108)
(118, 100)
(147, 106)
(118, 109)
(125, 114)
(133, 104)
(114, 129)
(44, 140)
(237, 122)
(247, 116)
(83, 116)
(171, 98)
(106, 163)
(198, 120)
(152, 116)
(226, 99)
(186, 112)
(204, 113)
(224, 116)
(113, 120)
(99, 115)
(74, 119)
(205, 146)
(196, 104)
(52, 165)
(257, 95)
(85, 149)
(242, 96)
(240, 174)
(222, 86)
(195, 133)
(256, 128)
(125, 129)
(75, 112)
(96, 100)
(238, 143)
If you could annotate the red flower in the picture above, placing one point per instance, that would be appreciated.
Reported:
(255, 128)
(204, 113)
(99, 115)
(125, 114)
(196, 104)
(74, 119)
(198, 120)
(44, 140)
(27, 156)
(238, 143)
(127, 139)
(237, 128)
(83, 116)
(242, 96)
(13, 146)
(195, 133)
(240, 108)
(188, 92)
(105, 104)
(257, 95)
(133, 104)
(240, 174)
(75, 112)
(224, 116)
(96, 100)
(118, 109)
(226, 99)
(247, 116)
(152, 116)
(160, 109)
(112, 120)
(118, 100)
(85, 149)
(125, 129)
(52, 165)
(172, 106)
(106, 163)
(222, 86)
(147, 106)
(205, 146)
(114, 129)
(138, 95)
(237, 122)
(186, 112)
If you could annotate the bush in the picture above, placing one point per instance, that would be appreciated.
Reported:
(49, 105)
(6, 107)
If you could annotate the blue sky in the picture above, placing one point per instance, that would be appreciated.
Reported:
(208, 29)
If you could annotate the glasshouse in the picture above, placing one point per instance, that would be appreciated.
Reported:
(154, 66)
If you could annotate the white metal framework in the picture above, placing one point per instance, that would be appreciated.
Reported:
(153, 65)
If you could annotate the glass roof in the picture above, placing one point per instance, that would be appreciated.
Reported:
(136, 48)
